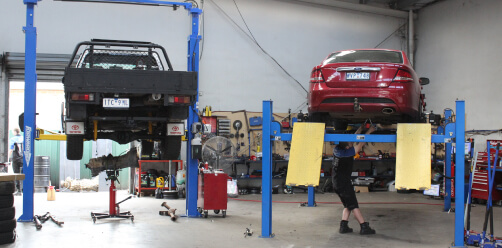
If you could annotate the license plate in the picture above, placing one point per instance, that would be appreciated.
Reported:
(357, 76)
(115, 102)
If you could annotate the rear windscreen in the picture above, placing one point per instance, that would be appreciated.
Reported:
(120, 59)
(365, 56)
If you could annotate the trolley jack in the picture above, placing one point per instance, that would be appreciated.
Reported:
(114, 211)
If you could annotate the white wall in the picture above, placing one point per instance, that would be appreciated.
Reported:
(234, 73)
(459, 49)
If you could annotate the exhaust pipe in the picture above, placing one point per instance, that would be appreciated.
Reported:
(388, 111)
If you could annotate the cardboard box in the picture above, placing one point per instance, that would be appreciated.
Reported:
(361, 189)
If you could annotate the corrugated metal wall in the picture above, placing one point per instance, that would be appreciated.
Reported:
(118, 149)
(51, 148)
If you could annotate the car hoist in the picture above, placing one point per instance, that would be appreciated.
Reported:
(454, 132)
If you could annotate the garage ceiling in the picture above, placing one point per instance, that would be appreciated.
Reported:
(404, 5)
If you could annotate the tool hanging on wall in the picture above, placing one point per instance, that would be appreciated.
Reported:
(238, 126)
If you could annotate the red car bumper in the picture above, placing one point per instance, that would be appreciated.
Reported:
(396, 103)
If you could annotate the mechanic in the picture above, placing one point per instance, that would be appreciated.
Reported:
(16, 154)
(343, 162)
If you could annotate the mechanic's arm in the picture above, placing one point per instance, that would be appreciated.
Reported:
(359, 146)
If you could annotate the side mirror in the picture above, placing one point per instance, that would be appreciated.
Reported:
(424, 81)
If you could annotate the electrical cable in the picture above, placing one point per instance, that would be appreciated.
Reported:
(251, 37)
(390, 35)
(203, 34)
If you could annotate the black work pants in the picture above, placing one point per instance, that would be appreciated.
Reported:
(18, 168)
(345, 190)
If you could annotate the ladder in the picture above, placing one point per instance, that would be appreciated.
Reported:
(481, 186)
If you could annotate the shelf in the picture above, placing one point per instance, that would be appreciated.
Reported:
(151, 188)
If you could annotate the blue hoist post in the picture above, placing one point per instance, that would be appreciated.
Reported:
(193, 65)
(447, 161)
(272, 132)
(30, 95)
(30, 99)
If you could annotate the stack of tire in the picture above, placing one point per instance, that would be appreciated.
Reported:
(7, 213)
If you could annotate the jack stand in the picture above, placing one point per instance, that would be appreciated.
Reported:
(114, 211)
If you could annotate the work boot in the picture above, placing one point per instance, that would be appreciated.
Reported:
(344, 227)
(366, 229)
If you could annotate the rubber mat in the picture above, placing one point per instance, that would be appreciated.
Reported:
(305, 159)
(413, 156)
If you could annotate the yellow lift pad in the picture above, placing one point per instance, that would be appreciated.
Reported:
(413, 156)
(305, 159)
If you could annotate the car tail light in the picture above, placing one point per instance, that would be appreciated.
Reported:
(316, 76)
(403, 76)
(82, 97)
(179, 99)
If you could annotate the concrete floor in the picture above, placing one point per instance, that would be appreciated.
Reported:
(397, 225)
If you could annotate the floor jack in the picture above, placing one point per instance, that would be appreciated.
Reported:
(114, 211)
(480, 239)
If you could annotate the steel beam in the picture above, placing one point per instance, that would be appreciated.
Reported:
(193, 165)
(459, 173)
(30, 99)
(447, 166)
(266, 181)
(4, 112)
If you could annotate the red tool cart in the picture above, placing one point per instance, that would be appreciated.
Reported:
(480, 182)
(212, 192)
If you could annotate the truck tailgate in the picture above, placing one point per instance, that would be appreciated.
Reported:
(129, 81)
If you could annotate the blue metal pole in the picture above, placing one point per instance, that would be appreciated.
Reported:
(192, 166)
(266, 180)
(447, 187)
(311, 197)
(30, 94)
(459, 174)
(447, 166)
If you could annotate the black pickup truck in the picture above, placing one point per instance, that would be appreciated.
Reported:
(126, 91)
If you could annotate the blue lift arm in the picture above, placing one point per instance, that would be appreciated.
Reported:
(454, 132)
(30, 98)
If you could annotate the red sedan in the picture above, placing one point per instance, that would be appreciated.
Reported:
(352, 86)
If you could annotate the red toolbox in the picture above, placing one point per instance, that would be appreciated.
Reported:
(212, 193)
(480, 181)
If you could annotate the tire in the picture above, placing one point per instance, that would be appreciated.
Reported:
(146, 148)
(74, 147)
(8, 225)
(316, 117)
(421, 117)
(216, 211)
(7, 213)
(341, 125)
(7, 188)
(6, 201)
(170, 148)
(7, 237)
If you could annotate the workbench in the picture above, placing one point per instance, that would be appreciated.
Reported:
(4, 177)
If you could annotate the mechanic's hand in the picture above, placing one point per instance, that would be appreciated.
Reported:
(360, 129)
(371, 129)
